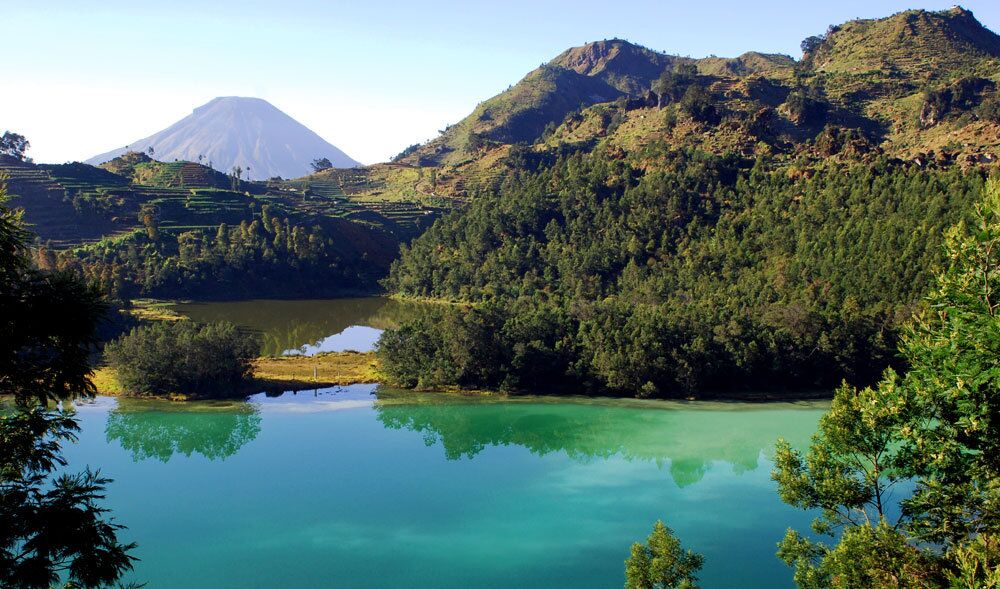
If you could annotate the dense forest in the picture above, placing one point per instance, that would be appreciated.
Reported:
(675, 272)
(269, 256)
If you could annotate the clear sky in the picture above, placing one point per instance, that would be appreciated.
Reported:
(370, 76)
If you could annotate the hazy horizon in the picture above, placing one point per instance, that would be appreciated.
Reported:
(369, 79)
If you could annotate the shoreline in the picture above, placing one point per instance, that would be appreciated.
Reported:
(329, 369)
(285, 373)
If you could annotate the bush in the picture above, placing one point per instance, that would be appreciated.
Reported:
(698, 104)
(211, 360)
(805, 109)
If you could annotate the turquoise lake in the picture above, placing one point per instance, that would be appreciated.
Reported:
(364, 487)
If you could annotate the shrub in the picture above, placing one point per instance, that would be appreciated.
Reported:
(210, 360)
(806, 109)
(697, 103)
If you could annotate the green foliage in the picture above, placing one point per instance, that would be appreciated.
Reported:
(848, 475)
(853, 461)
(706, 274)
(13, 145)
(53, 527)
(662, 563)
(699, 104)
(48, 321)
(409, 150)
(211, 360)
(269, 256)
(320, 164)
(875, 556)
(964, 95)
(977, 564)
(812, 43)
(955, 381)
(806, 107)
(674, 82)
(936, 427)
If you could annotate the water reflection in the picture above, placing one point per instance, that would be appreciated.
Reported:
(309, 326)
(150, 429)
(688, 437)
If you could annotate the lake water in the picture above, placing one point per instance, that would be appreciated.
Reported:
(308, 326)
(364, 487)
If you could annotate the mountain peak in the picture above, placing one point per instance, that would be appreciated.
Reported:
(628, 67)
(239, 131)
(918, 43)
(592, 58)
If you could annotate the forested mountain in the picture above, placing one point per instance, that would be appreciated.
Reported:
(709, 274)
(234, 131)
(727, 225)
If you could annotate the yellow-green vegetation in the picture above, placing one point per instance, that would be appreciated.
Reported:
(153, 310)
(330, 369)
(105, 382)
(282, 374)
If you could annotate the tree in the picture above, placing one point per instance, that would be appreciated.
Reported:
(810, 44)
(234, 178)
(955, 381)
(937, 426)
(698, 104)
(13, 145)
(805, 106)
(662, 563)
(320, 164)
(673, 82)
(848, 474)
(51, 526)
(183, 357)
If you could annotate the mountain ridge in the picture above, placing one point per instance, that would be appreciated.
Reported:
(916, 85)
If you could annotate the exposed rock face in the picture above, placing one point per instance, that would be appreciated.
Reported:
(246, 132)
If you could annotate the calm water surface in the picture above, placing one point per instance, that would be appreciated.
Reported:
(349, 487)
(308, 327)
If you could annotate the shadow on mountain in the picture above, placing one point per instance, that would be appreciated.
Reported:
(151, 429)
(689, 438)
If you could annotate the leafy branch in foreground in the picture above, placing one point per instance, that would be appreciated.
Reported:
(52, 527)
(662, 563)
(937, 428)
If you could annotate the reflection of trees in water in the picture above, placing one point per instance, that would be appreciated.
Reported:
(690, 440)
(149, 429)
(289, 325)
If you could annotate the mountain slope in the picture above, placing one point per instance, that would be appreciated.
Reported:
(918, 45)
(579, 77)
(918, 85)
(246, 132)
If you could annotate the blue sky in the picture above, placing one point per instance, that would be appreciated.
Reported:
(371, 77)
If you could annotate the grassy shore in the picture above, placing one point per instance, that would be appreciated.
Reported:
(286, 373)
(154, 310)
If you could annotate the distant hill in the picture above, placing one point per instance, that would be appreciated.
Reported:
(579, 77)
(235, 131)
(917, 45)
(918, 85)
